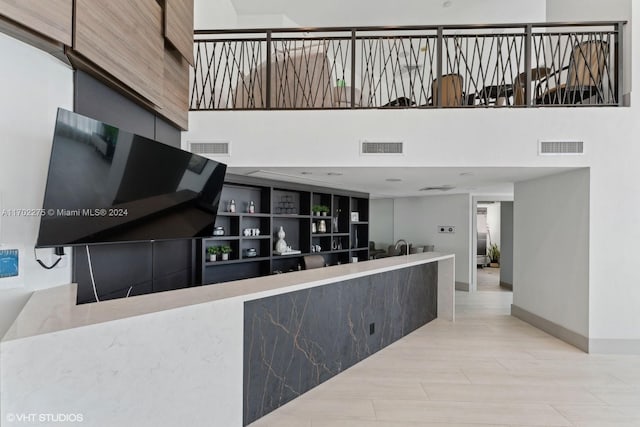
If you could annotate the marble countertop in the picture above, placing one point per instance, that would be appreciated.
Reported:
(55, 309)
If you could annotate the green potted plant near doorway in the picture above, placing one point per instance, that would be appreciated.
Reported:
(494, 255)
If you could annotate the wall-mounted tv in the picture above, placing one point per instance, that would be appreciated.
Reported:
(106, 185)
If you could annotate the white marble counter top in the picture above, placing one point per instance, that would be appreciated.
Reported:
(55, 309)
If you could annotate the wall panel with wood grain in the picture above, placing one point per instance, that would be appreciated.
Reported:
(50, 18)
(125, 39)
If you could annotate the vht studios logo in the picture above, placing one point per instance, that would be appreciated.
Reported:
(33, 417)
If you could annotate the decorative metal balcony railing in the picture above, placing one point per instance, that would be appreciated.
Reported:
(521, 65)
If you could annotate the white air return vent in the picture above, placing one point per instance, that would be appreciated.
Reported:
(211, 148)
(380, 147)
(561, 147)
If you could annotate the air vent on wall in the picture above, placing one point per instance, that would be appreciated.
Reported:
(368, 147)
(561, 147)
(211, 148)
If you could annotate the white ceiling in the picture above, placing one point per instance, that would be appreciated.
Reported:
(373, 180)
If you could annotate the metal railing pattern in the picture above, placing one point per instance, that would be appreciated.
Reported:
(522, 65)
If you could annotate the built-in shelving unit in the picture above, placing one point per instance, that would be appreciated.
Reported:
(290, 206)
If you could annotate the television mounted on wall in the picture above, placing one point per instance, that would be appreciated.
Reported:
(107, 185)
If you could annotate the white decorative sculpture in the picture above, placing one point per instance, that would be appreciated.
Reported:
(281, 245)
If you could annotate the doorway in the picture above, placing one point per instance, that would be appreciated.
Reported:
(492, 247)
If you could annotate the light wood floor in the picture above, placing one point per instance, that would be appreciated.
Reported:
(486, 369)
(488, 280)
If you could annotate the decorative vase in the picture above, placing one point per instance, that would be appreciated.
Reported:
(314, 229)
(334, 221)
(322, 226)
(225, 257)
(212, 257)
(281, 245)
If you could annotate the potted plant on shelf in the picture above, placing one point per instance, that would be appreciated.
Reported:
(324, 210)
(225, 251)
(316, 209)
(213, 251)
(494, 255)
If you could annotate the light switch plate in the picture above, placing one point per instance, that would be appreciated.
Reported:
(448, 229)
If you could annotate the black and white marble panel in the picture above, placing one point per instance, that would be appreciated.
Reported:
(297, 340)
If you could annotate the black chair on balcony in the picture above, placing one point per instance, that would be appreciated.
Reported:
(587, 65)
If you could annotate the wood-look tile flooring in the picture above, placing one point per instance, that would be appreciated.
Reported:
(486, 369)
(488, 279)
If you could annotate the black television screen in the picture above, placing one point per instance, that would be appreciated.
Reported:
(108, 185)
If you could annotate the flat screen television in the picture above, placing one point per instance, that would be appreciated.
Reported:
(106, 185)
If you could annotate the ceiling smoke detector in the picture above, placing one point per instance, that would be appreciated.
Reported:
(438, 188)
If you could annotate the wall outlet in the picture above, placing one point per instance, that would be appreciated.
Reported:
(372, 328)
(446, 229)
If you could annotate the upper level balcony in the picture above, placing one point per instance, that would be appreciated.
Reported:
(507, 65)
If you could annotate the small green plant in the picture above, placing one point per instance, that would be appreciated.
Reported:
(324, 208)
(213, 250)
(494, 253)
(316, 209)
(225, 249)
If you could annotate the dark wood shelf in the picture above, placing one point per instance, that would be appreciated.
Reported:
(235, 261)
(268, 194)
(214, 238)
(291, 256)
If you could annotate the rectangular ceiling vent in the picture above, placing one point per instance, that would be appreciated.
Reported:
(369, 147)
(561, 147)
(211, 148)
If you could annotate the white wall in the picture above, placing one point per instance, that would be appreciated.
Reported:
(493, 223)
(381, 222)
(416, 219)
(551, 249)
(506, 242)
(409, 12)
(214, 14)
(34, 85)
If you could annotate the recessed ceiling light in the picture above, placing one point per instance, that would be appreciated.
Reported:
(447, 3)
(466, 174)
(394, 180)
(334, 173)
(438, 188)
(305, 173)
